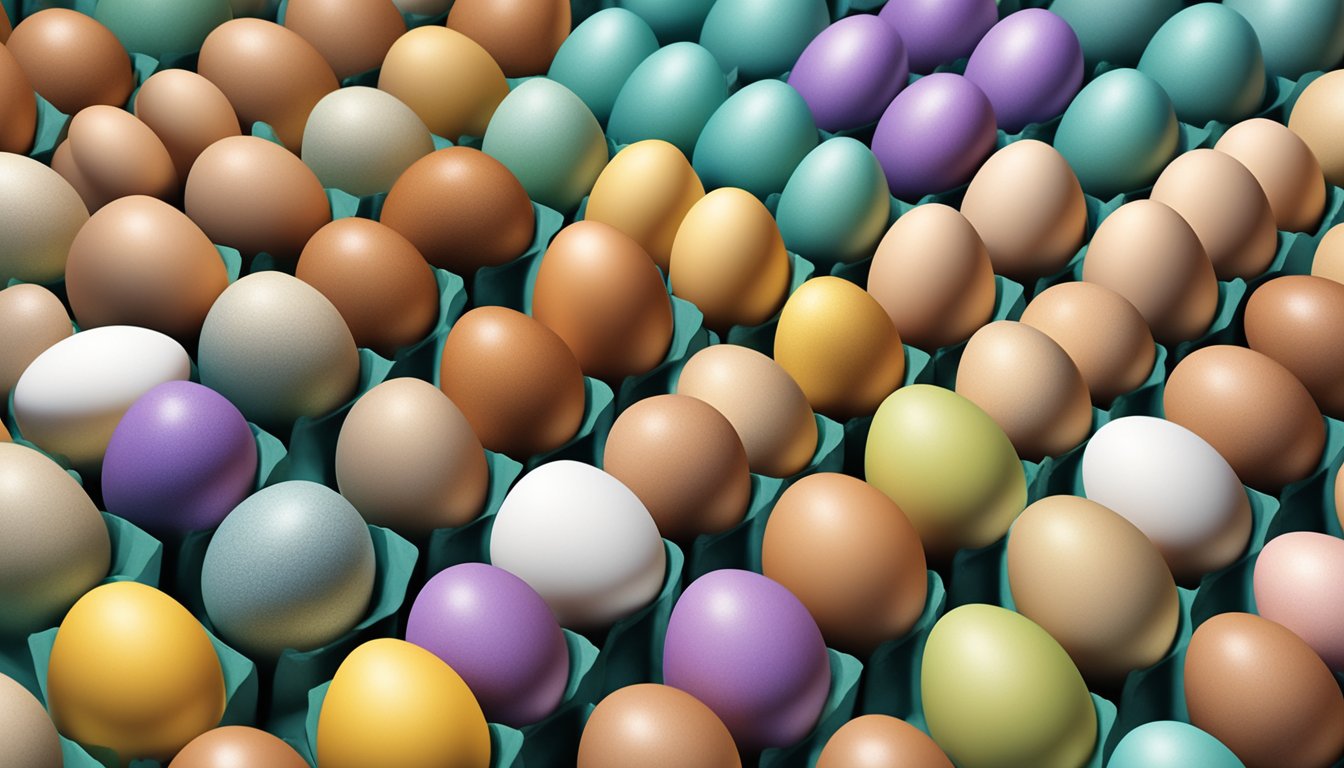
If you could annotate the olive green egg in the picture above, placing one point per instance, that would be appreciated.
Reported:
(672, 22)
(836, 205)
(756, 139)
(1115, 33)
(670, 96)
(999, 692)
(1296, 36)
(762, 38)
(164, 29)
(1119, 133)
(1208, 59)
(598, 56)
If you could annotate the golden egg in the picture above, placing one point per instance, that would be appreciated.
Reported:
(646, 191)
(447, 78)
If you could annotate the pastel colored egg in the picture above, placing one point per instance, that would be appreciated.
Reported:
(1208, 58)
(850, 72)
(761, 38)
(646, 191)
(669, 96)
(755, 139)
(360, 140)
(599, 55)
(1297, 36)
(1297, 584)
(1030, 65)
(934, 136)
(162, 30)
(1171, 744)
(1115, 33)
(835, 206)
(671, 22)
(939, 32)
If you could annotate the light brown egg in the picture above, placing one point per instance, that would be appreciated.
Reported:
(235, 746)
(1225, 206)
(33, 319)
(18, 106)
(645, 191)
(253, 195)
(187, 112)
(5, 27)
(352, 35)
(766, 407)
(268, 73)
(655, 726)
(1317, 116)
(851, 556)
(881, 741)
(1262, 691)
(1252, 410)
(28, 738)
(1148, 254)
(516, 382)
(376, 279)
(110, 153)
(1329, 259)
(1285, 167)
(522, 35)
(72, 61)
(4, 434)
(447, 78)
(1299, 321)
(932, 275)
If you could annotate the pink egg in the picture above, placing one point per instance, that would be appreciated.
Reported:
(1299, 583)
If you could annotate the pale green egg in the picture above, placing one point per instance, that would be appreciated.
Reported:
(762, 38)
(755, 139)
(164, 29)
(1208, 60)
(836, 205)
(1119, 133)
(670, 96)
(599, 55)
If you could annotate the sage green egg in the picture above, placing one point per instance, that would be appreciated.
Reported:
(599, 55)
(762, 38)
(836, 205)
(1119, 133)
(164, 29)
(672, 22)
(999, 692)
(670, 96)
(755, 139)
(550, 140)
(1296, 36)
(948, 466)
(1208, 60)
(1171, 744)
(1115, 32)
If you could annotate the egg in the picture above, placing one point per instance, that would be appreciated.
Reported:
(1028, 208)
(645, 192)
(180, 459)
(5, 26)
(111, 154)
(19, 106)
(1297, 319)
(1296, 585)
(40, 214)
(1173, 486)
(234, 745)
(1226, 207)
(1297, 38)
(1171, 744)
(1145, 252)
(880, 741)
(1208, 58)
(1028, 384)
(27, 733)
(756, 138)
(522, 36)
(515, 380)
(36, 319)
(1029, 65)
(669, 96)
(394, 703)
(835, 206)
(934, 135)
(187, 112)
(850, 72)
(269, 74)
(352, 36)
(72, 60)
(1328, 262)
(1259, 689)
(133, 671)
(583, 541)
(55, 544)
(998, 690)
(1118, 133)
(278, 349)
(446, 77)
(761, 38)
(939, 31)
(746, 647)
(1115, 33)
(1285, 167)
(360, 140)
(1316, 117)
(655, 725)
(599, 55)
(671, 22)
(163, 31)
(499, 635)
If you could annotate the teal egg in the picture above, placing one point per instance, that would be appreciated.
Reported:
(1171, 744)
(549, 139)
(598, 56)
(762, 38)
(1296, 36)
(673, 21)
(836, 205)
(756, 139)
(1115, 32)
(670, 96)
(1208, 60)
(1119, 133)
(164, 29)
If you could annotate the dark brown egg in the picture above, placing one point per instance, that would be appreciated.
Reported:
(18, 106)
(187, 112)
(110, 153)
(881, 741)
(522, 35)
(352, 35)
(237, 746)
(73, 61)
(1299, 321)
(655, 726)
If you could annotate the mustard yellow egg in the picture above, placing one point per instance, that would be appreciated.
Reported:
(447, 78)
(645, 192)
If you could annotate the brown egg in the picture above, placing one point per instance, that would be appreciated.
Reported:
(462, 209)
(72, 61)
(352, 35)
(1252, 410)
(1225, 206)
(33, 319)
(1317, 117)
(1285, 167)
(447, 78)
(932, 275)
(1030, 387)
(1299, 321)
(378, 281)
(1329, 259)
(881, 741)
(251, 194)
(851, 556)
(655, 726)
(236, 746)
(5, 27)
(1262, 691)
(4, 434)
(766, 407)
(1103, 334)
(645, 191)
(1339, 495)
(516, 382)
(522, 35)
(1148, 254)
(110, 153)
(18, 106)
(268, 73)
(187, 112)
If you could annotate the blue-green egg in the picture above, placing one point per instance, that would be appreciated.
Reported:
(670, 96)
(1119, 133)
(1115, 32)
(1171, 744)
(673, 21)
(836, 205)
(756, 139)
(1209, 61)
(598, 56)
(1296, 36)
(164, 29)
(762, 38)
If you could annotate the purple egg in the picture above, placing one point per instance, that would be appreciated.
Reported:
(934, 136)
(499, 635)
(1030, 65)
(746, 647)
(180, 459)
(850, 72)
(939, 31)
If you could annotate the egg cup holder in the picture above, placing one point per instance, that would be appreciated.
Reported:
(1008, 305)
(470, 543)
(689, 336)
(1230, 589)
(417, 360)
(510, 284)
(918, 370)
(762, 337)
(838, 709)
(1309, 504)
(739, 546)
(892, 671)
(1157, 692)
(632, 649)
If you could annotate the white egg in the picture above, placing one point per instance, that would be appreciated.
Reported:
(360, 139)
(40, 214)
(583, 541)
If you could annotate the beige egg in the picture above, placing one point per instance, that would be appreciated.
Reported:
(110, 153)
(352, 35)
(1285, 167)
(33, 319)
(28, 738)
(40, 213)
(187, 112)
(447, 78)
(646, 191)
(1318, 117)
(1329, 259)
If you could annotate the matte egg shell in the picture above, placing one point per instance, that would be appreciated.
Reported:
(1328, 261)
(111, 154)
(1171, 744)
(669, 96)
(72, 60)
(934, 136)
(1208, 58)
(1316, 117)
(187, 112)
(1297, 37)
(27, 733)
(1285, 167)
(1297, 584)
(850, 72)
(37, 320)
(361, 139)
(1115, 33)
(1297, 320)
(447, 78)
(165, 31)
(761, 38)
(756, 139)
(18, 103)
(672, 22)
(599, 55)
(352, 35)
(234, 745)
(835, 205)
(685, 733)
(40, 213)
(939, 32)
(1030, 65)
(522, 35)
(645, 192)
(881, 741)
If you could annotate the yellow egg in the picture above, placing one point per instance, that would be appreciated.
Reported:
(133, 671)
(645, 191)
(392, 703)
(446, 78)
(838, 343)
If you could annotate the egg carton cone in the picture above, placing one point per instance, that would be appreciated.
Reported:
(510, 285)
(631, 651)
(1008, 305)
(918, 370)
(891, 673)
(1157, 692)
(1309, 504)
(838, 709)
(470, 543)
(689, 336)
(762, 337)
(417, 360)
(1230, 589)
(739, 546)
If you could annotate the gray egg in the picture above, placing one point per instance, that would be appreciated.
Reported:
(27, 736)
(292, 566)
(360, 140)
(40, 214)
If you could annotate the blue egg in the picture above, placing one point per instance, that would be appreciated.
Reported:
(1171, 744)
(756, 139)
(762, 38)
(1115, 32)
(1208, 59)
(835, 206)
(1297, 36)
(673, 21)
(598, 56)
(670, 96)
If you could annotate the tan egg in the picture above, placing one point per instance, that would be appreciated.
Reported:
(447, 78)
(33, 319)
(110, 153)
(5, 27)
(1252, 410)
(1030, 387)
(516, 382)
(932, 275)
(253, 195)
(73, 61)
(377, 280)
(408, 460)
(851, 556)
(269, 74)
(1225, 206)
(1329, 259)
(881, 741)
(1299, 321)
(645, 191)
(352, 35)
(598, 290)
(187, 112)
(1318, 117)
(1103, 334)
(4, 434)
(522, 35)
(40, 213)
(728, 259)
(1287, 171)
(1028, 208)
(235, 746)
(766, 407)
(28, 738)
(655, 726)
(838, 343)
(18, 106)
(1148, 254)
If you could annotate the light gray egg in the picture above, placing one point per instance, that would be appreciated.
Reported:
(360, 139)
(27, 736)
(40, 213)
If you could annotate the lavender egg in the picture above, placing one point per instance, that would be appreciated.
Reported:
(746, 647)
(939, 31)
(850, 72)
(934, 136)
(180, 459)
(1030, 65)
